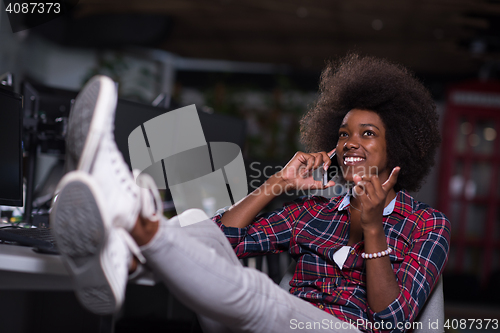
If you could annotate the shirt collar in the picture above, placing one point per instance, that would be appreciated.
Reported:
(405, 204)
(346, 201)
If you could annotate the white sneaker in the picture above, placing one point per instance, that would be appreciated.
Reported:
(91, 148)
(95, 253)
(98, 204)
(91, 117)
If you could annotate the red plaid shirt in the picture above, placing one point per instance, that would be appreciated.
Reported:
(313, 229)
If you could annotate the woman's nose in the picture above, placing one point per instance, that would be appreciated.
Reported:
(351, 143)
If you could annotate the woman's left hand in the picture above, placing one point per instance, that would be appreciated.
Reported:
(372, 196)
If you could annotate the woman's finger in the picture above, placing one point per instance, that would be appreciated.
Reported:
(329, 184)
(326, 160)
(310, 160)
(359, 191)
(392, 180)
(319, 160)
(377, 186)
(370, 191)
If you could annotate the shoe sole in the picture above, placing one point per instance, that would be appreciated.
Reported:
(80, 231)
(90, 120)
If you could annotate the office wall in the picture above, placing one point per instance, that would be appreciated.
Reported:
(56, 66)
(10, 44)
(429, 191)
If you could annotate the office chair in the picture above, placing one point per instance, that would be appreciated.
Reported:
(432, 312)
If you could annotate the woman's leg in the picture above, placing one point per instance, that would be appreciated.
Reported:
(210, 281)
(204, 232)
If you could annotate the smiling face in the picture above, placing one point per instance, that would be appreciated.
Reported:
(362, 148)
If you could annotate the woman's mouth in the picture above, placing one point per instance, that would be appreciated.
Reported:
(353, 160)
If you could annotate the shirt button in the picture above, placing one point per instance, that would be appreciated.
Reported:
(352, 251)
(321, 306)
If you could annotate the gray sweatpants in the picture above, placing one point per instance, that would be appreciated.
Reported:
(200, 268)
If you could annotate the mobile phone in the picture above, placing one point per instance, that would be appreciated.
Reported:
(333, 171)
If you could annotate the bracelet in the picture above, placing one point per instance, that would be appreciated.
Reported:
(376, 255)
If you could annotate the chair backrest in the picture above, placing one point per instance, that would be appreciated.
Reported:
(431, 316)
(287, 277)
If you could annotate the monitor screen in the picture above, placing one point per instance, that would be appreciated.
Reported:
(11, 176)
(130, 115)
(216, 128)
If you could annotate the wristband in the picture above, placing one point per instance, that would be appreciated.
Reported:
(377, 254)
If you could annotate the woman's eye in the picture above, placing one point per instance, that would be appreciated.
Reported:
(369, 133)
(342, 135)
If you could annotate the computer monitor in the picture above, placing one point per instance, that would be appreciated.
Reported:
(216, 127)
(44, 111)
(44, 105)
(129, 115)
(11, 150)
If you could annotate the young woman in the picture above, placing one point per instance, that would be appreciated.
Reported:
(382, 123)
(369, 257)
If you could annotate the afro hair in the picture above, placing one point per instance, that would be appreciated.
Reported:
(392, 91)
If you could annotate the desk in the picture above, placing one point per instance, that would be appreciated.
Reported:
(21, 268)
(36, 295)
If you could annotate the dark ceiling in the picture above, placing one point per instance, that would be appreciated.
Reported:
(436, 37)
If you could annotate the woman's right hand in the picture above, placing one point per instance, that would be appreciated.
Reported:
(298, 172)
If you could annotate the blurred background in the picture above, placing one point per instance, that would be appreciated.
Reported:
(257, 63)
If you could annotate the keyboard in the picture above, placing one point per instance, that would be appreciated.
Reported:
(40, 239)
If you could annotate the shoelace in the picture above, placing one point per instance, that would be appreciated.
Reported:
(119, 165)
(151, 204)
(151, 208)
(132, 245)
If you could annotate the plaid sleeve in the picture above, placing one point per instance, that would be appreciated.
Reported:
(422, 263)
(268, 233)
